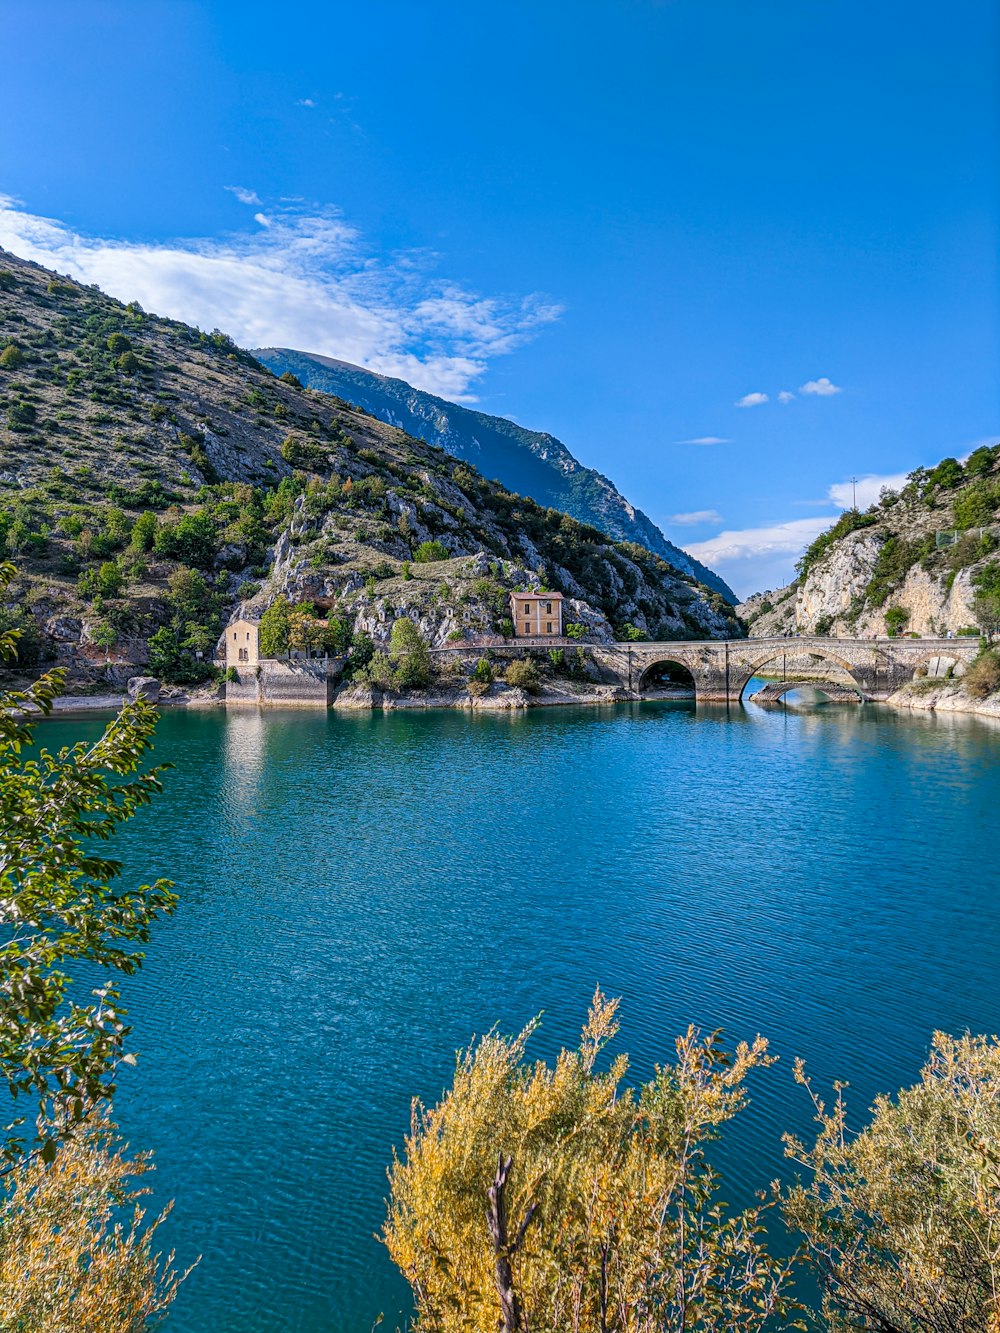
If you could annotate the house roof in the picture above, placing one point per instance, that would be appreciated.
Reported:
(538, 596)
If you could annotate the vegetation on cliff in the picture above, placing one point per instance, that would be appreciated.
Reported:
(921, 560)
(153, 477)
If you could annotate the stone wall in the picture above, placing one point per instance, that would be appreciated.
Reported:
(281, 685)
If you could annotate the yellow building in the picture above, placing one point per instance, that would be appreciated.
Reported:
(242, 643)
(537, 614)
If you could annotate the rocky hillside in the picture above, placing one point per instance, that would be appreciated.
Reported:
(525, 461)
(154, 477)
(920, 561)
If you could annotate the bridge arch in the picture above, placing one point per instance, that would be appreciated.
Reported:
(668, 676)
(936, 659)
(748, 671)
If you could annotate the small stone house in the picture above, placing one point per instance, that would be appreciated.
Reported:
(537, 614)
(242, 643)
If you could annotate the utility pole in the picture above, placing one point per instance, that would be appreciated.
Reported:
(854, 494)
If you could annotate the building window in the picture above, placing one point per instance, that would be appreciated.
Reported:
(244, 655)
(548, 608)
(527, 608)
(548, 628)
(234, 636)
(248, 636)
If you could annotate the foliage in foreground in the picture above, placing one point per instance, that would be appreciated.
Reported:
(537, 1198)
(59, 906)
(902, 1221)
(76, 1252)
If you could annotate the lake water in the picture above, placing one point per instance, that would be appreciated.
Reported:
(361, 894)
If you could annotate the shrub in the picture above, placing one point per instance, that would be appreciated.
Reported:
(588, 1187)
(983, 677)
(483, 671)
(65, 1260)
(523, 675)
(895, 618)
(428, 552)
(118, 344)
(409, 655)
(105, 581)
(128, 363)
(900, 1221)
(11, 357)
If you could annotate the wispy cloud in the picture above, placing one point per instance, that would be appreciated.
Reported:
(305, 101)
(754, 558)
(696, 517)
(706, 440)
(821, 388)
(786, 396)
(868, 487)
(751, 400)
(244, 196)
(307, 280)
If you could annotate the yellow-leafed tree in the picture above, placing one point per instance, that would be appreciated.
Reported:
(537, 1198)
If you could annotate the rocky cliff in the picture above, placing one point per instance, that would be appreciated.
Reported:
(920, 561)
(529, 462)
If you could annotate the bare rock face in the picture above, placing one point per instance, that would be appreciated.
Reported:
(144, 687)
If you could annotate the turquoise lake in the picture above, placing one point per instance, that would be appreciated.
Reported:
(362, 894)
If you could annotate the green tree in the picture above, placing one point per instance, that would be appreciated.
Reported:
(409, 655)
(427, 552)
(986, 602)
(105, 581)
(274, 629)
(62, 908)
(896, 618)
(144, 531)
(551, 1198)
(11, 357)
(902, 1221)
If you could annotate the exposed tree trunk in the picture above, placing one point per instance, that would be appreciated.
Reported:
(511, 1319)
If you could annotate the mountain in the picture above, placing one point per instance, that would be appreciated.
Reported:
(525, 461)
(921, 560)
(154, 478)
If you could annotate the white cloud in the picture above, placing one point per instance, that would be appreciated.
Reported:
(821, 388)
(305, 101)
(868, 488)
(751, 400)
(705, 440)
(262, 218)
(695, 517)
(305, 280)
(786, 397)
(753, 558)
(244, 196)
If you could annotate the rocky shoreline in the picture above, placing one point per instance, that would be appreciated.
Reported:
(943, 697)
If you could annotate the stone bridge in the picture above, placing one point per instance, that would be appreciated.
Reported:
(721, 669)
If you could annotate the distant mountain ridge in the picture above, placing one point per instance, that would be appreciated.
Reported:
(532, 463)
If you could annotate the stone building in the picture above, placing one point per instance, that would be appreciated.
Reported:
(537, 614)
(242, 643)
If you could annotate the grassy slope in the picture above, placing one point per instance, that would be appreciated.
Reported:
(134, 449)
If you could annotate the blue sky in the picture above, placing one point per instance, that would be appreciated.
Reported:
(611, 219)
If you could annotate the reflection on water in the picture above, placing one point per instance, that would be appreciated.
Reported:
(360, 894)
